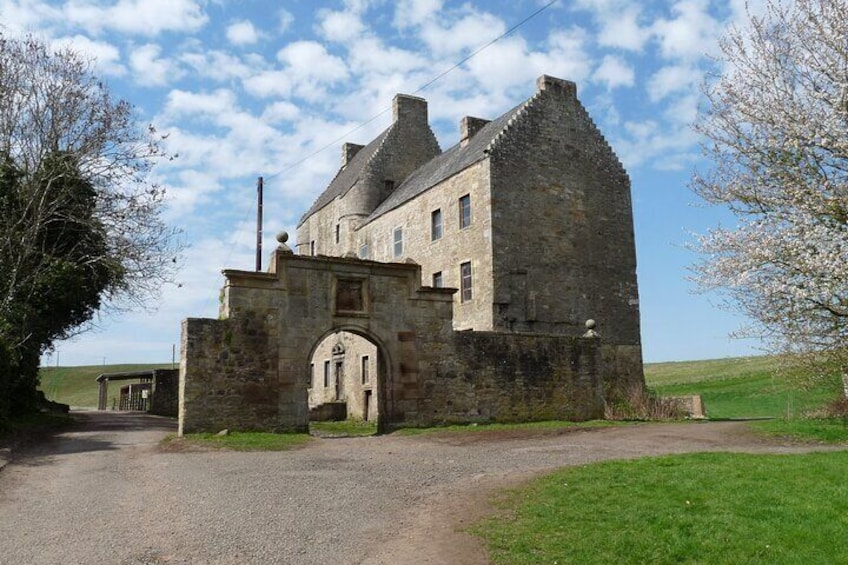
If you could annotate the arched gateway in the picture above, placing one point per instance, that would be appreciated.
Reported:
(250, 369)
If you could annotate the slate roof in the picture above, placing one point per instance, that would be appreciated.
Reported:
(445, 165)
(347, 176)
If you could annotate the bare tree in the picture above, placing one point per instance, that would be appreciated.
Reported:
(776, 125)
(82, 221)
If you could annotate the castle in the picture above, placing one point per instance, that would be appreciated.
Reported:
(529, 216)
(432, 287)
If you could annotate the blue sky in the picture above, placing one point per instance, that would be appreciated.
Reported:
(249, 88)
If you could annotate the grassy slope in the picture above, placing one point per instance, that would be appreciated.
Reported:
(743, 387)
(77, 386)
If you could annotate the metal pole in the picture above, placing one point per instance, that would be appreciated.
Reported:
(259, 225)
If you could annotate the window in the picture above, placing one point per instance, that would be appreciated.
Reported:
(436, 225)
(326, 374)
(338, 232)
(363, 251)
(465, 282)
(366, 377)
(398, 242)
(438, 282)
(312, 382)
(465, 211)
(390, 186)
(312, 248)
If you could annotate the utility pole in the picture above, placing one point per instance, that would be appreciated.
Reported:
(259, 225)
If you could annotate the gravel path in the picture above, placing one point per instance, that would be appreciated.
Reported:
(106, 493)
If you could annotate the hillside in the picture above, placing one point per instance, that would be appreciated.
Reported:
(77, 386)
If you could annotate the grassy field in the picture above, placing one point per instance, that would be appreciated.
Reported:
(748, 387)
(76, 386)
(701, 508)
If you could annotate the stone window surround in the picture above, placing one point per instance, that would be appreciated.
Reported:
(438, 280)
(397, 242)
(364, 369)
(464, 211)
(465, 282)
(326, 373)
(436, 224)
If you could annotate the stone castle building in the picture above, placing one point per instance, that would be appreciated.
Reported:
(529, 216)
(433, 287)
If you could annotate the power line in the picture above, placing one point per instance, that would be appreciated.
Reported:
(419, 89)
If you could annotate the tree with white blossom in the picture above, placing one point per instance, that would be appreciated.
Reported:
(776, 130)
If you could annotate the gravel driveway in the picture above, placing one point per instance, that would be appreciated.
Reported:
(106, 493)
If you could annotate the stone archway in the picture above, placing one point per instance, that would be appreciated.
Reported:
(246, 370)
(348, 371)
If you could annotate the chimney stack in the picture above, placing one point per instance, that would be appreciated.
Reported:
(349, 151)
(409, 108)
(468, 127)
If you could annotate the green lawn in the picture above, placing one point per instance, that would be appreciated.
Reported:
(238, 441)
(702, 508)
(76, 386)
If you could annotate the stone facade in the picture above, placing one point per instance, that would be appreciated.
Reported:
(250, 370)
(550, 241)
(462, 279)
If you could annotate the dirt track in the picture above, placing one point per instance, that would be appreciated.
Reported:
(106, 493)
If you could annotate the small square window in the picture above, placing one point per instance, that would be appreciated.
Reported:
(363, 251)
(436, 224)
(398, 242)
(465, 211)
(465, 282)
(438, 282)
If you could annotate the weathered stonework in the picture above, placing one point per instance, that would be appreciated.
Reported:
(251, 369)
(547, 243)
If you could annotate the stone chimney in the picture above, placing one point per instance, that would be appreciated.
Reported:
(406, 108)
(554, 84)
(468, 128)
(349, 151)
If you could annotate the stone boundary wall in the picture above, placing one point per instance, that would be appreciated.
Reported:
(165, 397)
(498, 377)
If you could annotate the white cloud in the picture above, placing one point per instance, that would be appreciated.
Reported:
(688, 34)
(614, 72)
(281, 111)
(619, 22)
(411, 13)
(182, 103)
(151, 70)
(284, 20)
(672, 79)
(218, 65)
(242, 33)
(20, 16)
(106, 56)
(465, 34)
(141, 17)
(269, 83)
(622, 30)
(341, 26)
